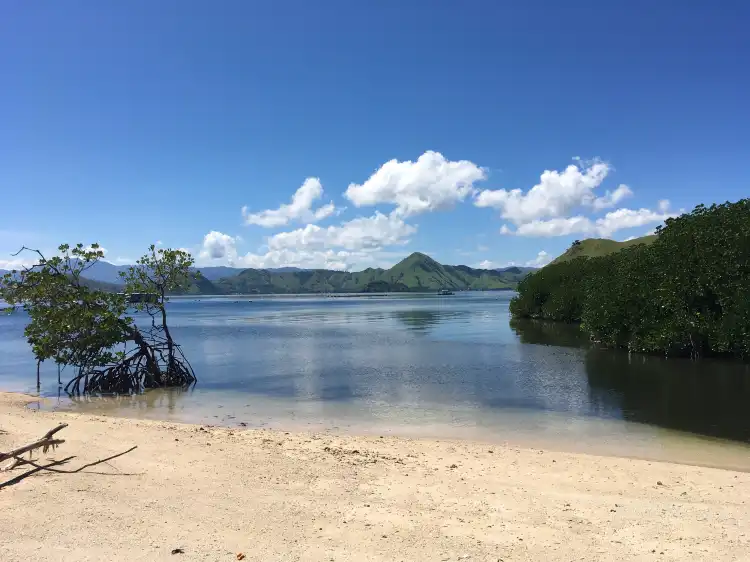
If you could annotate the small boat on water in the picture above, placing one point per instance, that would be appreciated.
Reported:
(444, 292)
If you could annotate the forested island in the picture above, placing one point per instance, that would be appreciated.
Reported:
(685, 291)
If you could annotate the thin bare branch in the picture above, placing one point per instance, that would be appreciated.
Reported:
(80, 468)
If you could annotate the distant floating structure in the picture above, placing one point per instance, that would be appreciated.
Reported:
(137, 298)
(444, 292)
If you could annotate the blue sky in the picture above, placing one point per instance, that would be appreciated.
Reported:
(477, 132)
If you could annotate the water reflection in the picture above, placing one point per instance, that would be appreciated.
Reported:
(169, 401)
(447, 363)
(421, 321)
(548, 333)
(709, 397)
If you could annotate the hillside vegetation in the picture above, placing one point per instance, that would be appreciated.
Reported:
(418, 272)
(685, 293)
(599, 247)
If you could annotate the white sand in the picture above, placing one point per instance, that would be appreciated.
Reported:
(270, 495)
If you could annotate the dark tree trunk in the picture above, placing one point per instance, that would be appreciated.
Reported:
(149, 365)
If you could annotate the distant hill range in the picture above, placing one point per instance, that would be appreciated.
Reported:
(110, 273)
(416, 273)
(598, 247)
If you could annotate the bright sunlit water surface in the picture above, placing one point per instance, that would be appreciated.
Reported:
(424, 365)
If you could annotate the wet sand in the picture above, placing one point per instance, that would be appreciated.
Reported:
(271, 495)
(525, 428)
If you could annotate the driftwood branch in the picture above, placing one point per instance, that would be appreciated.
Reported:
(45, 443)
(80, 468)
(20, 477)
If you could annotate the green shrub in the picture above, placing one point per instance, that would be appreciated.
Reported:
(688, 293)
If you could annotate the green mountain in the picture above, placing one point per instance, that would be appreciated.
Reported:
(199, 285)
(416, 273)
(420, 272)
(598, 247)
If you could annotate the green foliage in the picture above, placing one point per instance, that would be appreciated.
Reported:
(685, 294)
(75, 323)
(70, 322)
(552, 293)
(619, 307)
(159, 272)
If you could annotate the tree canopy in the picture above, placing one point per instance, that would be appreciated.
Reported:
(75, 324)
(685, 294)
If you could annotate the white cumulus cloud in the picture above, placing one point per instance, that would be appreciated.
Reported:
(364, 232)
(431, 183)
(556, 194)
(360, 242)
(299, 209)
(219, 246)
(604, 226)
(342, 260)
(610, 199)
(629, 218)
(562, 204)
(541, 259)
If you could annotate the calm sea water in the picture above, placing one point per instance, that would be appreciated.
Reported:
(452, 366)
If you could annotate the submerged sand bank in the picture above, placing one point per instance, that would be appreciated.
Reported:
(271, 495)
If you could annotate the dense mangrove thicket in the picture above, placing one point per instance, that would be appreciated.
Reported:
(688, 293)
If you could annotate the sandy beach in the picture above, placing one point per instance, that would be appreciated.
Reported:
(211, 493)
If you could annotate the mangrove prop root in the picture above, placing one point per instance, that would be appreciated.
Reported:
(147, 366)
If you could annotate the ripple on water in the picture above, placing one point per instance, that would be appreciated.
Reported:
(424, 366)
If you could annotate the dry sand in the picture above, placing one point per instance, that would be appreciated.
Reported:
(270, 495)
